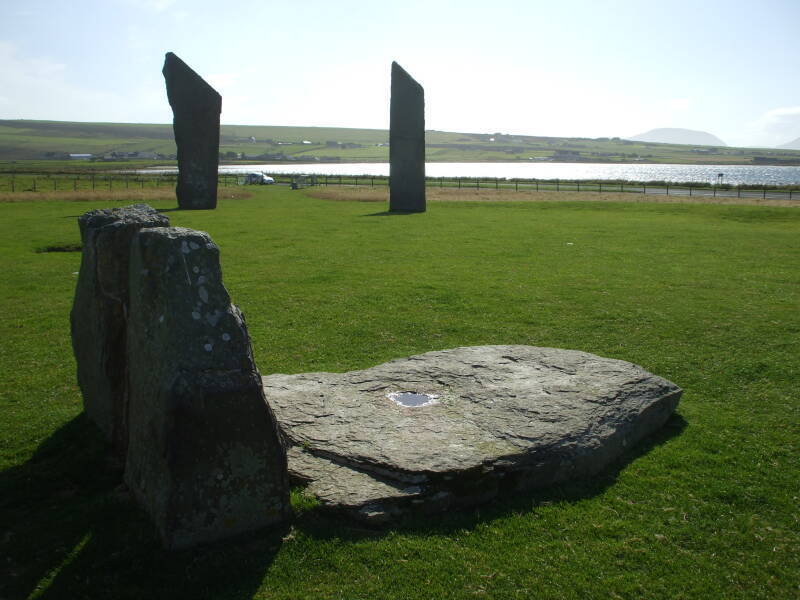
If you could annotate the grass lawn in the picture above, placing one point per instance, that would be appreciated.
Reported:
(704, 295)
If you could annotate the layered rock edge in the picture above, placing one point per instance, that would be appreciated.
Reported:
(505, 418)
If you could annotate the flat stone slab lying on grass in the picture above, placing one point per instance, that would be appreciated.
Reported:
(453, 427)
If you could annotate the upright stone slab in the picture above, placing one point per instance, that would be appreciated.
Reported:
(99, 312)
(205, 458)
(406, 143)
(196, 107)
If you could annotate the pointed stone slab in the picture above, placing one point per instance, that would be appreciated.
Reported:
(499, 417)
(196, 107)
(99, 312)
(204, 456)
(406, 143)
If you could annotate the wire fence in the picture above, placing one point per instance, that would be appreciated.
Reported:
(522, 185)
(76, 182)
(55, 182)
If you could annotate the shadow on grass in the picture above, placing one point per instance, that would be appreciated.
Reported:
(319, 525)
(392, 213)
(71, 530)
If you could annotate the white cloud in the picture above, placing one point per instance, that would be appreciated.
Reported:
(163, 8)
(780, 120)
(679, 104)
(158, 6)
(38, 88)
(774, 127)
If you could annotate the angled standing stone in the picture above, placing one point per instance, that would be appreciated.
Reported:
(98, 316)
(204, 457)
(406, 143)
(196, 107)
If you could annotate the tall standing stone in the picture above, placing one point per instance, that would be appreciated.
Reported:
(196, 107)
(99, 312)
(406, 143)
(204, 457)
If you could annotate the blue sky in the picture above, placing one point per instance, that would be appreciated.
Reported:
(567, 68)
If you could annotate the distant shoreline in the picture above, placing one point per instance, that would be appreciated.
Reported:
(278, 145)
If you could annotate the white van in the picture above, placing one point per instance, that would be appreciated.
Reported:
(258, 179)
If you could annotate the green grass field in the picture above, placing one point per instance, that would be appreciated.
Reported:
(704, 295)
(31, 140)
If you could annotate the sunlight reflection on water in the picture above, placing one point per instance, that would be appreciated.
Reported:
(731, 174)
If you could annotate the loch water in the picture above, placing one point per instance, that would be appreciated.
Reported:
(731, 174)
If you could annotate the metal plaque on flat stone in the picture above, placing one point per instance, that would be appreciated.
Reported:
(196, 107)
(406, 143)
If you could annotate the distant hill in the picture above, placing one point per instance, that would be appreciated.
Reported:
(794, 145)
(672, 135)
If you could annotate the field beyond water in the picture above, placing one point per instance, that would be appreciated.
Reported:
(704, 295)
(31, 140)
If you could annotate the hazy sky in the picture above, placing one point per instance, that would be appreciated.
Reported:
(562, 68)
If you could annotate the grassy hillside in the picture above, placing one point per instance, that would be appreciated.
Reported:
(704, 295)
(29, 140)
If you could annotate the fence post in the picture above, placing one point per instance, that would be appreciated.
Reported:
(690, 190)
(110, 179)
(496, 183)
(92, 181)
(621, 187)
(13, 186)
(75, 185)
(55, 182)
(459, 183)
(644, 188)
(715, 191)
(557, 189)
(441, 182)
(34, 184)
(579, 186)
(738, 191)
(516, 185)
(340, 180)
(537, 185)
(765, 193)
(667, 189)
(790, 194)
(601, 187)
(371, 182)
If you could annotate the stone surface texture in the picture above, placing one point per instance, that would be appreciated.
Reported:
(196, 107)
(406, 143)
(99, 313)
(510, 417)
(204, 457)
